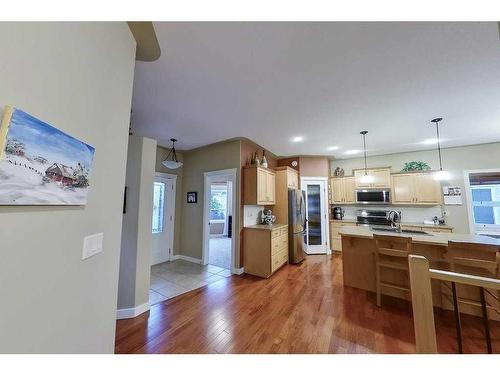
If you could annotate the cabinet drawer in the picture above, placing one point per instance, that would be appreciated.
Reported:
(283, 231)
(277, 260)
(334, 230)
(278, 244)
(275, 233)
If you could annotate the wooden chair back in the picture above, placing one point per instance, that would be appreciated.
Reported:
(474, 259)
(392, 246)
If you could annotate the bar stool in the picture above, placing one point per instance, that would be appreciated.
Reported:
(478, 260)
(391, 252)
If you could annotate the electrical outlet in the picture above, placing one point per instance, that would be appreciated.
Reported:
(92, 245)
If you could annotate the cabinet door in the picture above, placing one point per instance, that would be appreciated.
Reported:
(381, 178)
(402, 189)
(427, 189)
(292, 179)
(271, 187)
(357, 177)
(261, 186)
(337, 190)
(349, 190)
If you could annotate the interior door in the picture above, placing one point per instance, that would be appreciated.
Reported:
(163, 220)
(315, 238)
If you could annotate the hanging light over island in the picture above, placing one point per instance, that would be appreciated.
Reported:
(440, 175)
(366, 178)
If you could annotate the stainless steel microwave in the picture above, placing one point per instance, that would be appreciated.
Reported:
(373, 196)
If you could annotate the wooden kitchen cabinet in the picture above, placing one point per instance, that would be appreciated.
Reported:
(335, 238)
(342, 190)
(381, 178)
(259, 186)
(265, 249)
(415, 189)
(286, 178)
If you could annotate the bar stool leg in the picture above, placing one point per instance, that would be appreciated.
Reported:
(485, 320)
(458, 325)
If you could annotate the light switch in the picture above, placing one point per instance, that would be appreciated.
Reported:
(92, 245)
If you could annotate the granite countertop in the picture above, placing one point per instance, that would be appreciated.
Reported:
(403, 223)
(265, 226)
(440, 239)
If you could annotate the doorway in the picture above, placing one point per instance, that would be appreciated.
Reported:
(163, 218)
(316, 237)
(218, 235)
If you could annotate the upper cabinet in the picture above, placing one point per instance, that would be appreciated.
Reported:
(259, 186)
(292, 178)
(342, 190)
(286, 178)
(381, 178)
(415, 188)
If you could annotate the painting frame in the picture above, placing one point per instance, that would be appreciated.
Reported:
(192, 197)
(40, 165)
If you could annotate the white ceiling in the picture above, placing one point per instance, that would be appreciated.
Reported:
(326, 82)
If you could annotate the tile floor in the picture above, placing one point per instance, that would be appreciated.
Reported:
(220, 252)
(170, 279)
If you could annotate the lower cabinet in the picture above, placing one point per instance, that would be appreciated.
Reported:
(265, 249)
(335, 238)
(435, 229)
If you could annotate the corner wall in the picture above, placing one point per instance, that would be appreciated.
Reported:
(77, 77)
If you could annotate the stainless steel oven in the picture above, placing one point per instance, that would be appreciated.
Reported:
(373, 196)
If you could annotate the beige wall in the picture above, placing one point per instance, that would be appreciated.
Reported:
(210, 158)
(161, 154)
(78, 77)
(455, 160)
(314, 166)
(135, 256)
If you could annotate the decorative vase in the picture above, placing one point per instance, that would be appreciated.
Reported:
(264, 160)
(268, 217)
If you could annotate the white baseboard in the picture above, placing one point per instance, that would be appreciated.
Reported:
(132, 312)
(187, 259)
(238, 271)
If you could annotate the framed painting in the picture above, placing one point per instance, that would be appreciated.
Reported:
(192, 197)
(41, 165)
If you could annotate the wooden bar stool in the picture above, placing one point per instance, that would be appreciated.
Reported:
(391, 252)
(478, 260)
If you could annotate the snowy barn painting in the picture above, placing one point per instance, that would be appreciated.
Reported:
(41, 165)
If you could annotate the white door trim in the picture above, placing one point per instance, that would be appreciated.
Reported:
(231, 174)
(324, 208)
(171, 231)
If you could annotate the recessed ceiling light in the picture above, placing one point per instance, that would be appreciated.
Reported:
(297, 139)
(352, 152)
(430, 141)
(333, 148)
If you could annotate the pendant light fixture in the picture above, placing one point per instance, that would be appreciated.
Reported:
(173, 163)
(366, 178)
(440, 175)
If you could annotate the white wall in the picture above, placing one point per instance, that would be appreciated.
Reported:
(455, 160)
(135, 258)
(78, 77)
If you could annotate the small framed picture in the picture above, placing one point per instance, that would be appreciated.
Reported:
(192, 197)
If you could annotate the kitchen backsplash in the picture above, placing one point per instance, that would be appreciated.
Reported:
(251, 215)
(409, 214)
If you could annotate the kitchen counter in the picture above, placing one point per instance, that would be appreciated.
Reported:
(403, 223)
(266, 226)
(439, 239)
(358, 262)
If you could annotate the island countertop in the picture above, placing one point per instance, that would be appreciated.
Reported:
(433, 238)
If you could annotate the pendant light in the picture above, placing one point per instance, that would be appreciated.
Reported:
(366, 178)
(440, 175)
(173, 163)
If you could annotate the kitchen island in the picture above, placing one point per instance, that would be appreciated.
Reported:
(358, 248)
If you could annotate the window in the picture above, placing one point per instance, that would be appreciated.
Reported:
(485, 196)
(218, 202)
(158, 205)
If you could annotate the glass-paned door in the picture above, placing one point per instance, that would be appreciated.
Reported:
(162, 220)
(315, 237)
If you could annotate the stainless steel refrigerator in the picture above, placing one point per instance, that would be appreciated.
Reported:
(296, 225)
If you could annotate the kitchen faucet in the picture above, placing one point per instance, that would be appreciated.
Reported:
(395, 218)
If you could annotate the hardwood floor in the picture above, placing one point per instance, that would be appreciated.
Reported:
(301, 309)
